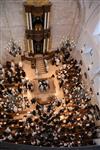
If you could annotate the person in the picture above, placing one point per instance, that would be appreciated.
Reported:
(61, 83)
(20, 64)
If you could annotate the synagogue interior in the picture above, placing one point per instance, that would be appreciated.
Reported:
(50, 73)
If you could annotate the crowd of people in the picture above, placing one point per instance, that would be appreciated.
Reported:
(13, 75)
(13, 86)
(64, 122)
(56, 124)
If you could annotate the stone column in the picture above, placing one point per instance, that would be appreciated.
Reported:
(44, 44)
(27, 20)
(48, 20)
(28, 45)
(48, 41)
(32, 48)
(45, 20)
(30, 20)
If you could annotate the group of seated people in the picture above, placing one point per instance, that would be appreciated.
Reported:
(56, 59)
(12, 74)
(13, 86)
(64, 122)
(43, 85)
(59, 123)
(62, 54)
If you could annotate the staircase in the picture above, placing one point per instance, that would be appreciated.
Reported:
(40, 66)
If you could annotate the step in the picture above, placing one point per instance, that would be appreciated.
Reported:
(40, 64)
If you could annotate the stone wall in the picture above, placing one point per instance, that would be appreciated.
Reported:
(87, 39)
(64, 17)
(12, 25)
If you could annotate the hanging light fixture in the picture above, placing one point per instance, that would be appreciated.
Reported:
(67, 43)
(13, 48)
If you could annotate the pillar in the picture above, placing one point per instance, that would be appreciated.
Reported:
(28, 45)
(30, 20)
(45, 20)
(27, 20)
(44, 45)
(48, 20)
(32, 48)
(48, 41)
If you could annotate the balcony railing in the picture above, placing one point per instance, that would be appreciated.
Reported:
(37, 35)
(8, 146)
